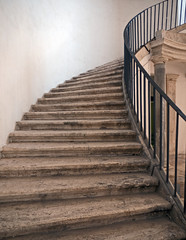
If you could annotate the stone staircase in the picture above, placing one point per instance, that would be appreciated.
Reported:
(74, 169)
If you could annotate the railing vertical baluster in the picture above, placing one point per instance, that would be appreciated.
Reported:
(144, 104)
(131, 79)
(147, 25)
(176, 155)
(140, 100)
(134, 86)
(160, 132)
(149, 114)
(137, 93)
(154, 20)
(175, 24)
(132, 35)
(158, 16)
(154, 121)
(185, 188)
(162, 17)
(171, 14)
(167, 10)
(181, 11)
(151, 23)
(135, 33)
(144, 28)
(140, 32)
(167, 179)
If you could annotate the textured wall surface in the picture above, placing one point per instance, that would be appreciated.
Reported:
(45, 42)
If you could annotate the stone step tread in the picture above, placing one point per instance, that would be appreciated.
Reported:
(35, 217)
(151, 229)
(67, 187)
(95, 75)
(97, 71)
(86, 92)
(101, 70)
(78, 107)
(9, 166)
(82, 97)
(112, 71)
(79, 103)
(78, 133)
(87, 86)
(106, 67)
(100, 75)
(56, 146)
(104, 123)
(92, 79)
(70, 115)
(91, 84)
(55, 149)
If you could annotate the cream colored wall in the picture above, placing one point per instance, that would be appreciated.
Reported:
(44, 42)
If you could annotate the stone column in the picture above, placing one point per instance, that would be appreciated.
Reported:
(160, 79)
(171, 92)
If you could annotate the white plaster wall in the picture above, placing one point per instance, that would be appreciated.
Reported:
(44, 42)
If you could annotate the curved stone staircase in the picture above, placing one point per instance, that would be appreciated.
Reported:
(74, 169)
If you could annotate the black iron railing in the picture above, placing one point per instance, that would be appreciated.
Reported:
(146, 97)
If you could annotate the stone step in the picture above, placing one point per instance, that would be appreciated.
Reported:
(65, 88)
(84, 92)
(74, 187)
(103, 105)
(72, 136)
(96, 124)
(70, 149)
(149, 229)
(98, 78)
(67, 166)
(70, 115)
(103, 69)
(23, 219)
(106, 67)
(95, 75)
(92, 98)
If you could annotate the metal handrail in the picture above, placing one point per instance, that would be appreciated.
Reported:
(140, 30)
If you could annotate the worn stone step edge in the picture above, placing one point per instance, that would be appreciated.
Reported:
(108, 65)
(90, 85)
(70, 149)
(69, 99)
(154, 229)
(75, 187)
(92, 79)
(95, 75)
(77, 214)
(73, 124)
(105, 67)
(104, 105)
(102, 69)
(87, 86)
(71, 136)
(70, 115)
(45, 167)
(84, 92)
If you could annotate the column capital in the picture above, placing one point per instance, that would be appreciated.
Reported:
(159, 59)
